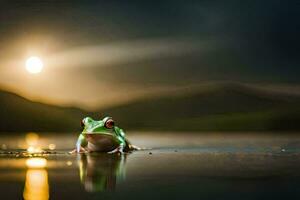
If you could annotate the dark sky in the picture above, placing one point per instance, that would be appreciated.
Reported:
(154, 43)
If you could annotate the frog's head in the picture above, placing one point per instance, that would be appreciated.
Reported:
(102, 135)
(104, 126)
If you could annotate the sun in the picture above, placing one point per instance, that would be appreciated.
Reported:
(34, 65)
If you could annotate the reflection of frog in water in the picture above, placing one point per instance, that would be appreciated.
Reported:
(100, 172)
(102, 136)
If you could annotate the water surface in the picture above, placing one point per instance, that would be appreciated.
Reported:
(176, 166)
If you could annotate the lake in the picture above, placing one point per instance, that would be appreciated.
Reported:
(173, 166)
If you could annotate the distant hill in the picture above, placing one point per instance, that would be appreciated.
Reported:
(226, 107)
(19, 114)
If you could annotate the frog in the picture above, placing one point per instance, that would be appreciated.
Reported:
(102, 136)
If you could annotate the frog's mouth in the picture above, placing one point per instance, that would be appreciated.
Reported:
(97, 134)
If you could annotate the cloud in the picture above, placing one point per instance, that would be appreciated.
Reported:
(126, 52)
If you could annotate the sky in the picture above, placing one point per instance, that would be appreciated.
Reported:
(101, 53)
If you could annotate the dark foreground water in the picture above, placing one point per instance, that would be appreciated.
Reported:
(179, 166)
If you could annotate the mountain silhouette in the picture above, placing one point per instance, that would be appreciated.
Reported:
(220, 107)
(19, 114)
(225, 107)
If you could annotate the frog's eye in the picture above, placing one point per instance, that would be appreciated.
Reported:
(109, 123)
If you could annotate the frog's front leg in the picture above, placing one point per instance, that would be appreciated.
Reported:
(80, 145)
(125, 145)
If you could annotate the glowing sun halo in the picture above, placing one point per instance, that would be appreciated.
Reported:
(34, 65)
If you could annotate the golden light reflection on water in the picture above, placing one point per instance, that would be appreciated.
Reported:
(36, 162)
(52, 146)
(32, 149)
(36, 183)
(32, 140)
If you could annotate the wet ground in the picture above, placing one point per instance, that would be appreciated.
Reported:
(178, 166)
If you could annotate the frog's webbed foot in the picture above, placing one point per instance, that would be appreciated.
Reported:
(134, 148)
(130, 147)
(119, 149)
(79, 150)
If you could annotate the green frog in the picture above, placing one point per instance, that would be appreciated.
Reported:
(102, 136)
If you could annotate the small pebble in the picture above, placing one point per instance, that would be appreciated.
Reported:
(150, 153)
(175, 151)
